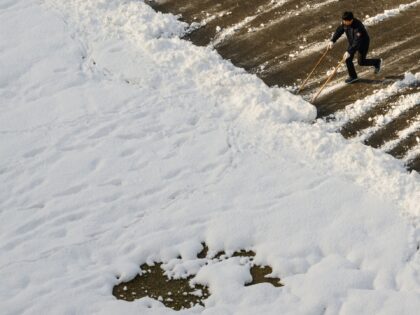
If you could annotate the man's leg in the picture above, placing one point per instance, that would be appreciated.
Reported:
(350, 67)
(361, 57)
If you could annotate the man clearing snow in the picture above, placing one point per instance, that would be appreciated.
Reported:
(358, 41)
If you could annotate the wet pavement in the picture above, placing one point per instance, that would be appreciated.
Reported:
(281, 40)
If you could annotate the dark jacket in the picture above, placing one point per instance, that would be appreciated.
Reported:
(356, 35)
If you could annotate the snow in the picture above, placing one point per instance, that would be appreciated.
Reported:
(414, 126)
(271, 6)
(391, 13)
(414, 152)
(361, 106)
(368, 21)
(123, 145)
(402, 105)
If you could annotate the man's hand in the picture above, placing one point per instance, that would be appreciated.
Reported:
(346, 55)
(330, 45)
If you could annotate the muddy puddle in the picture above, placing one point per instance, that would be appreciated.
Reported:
(281, 40)
(181, 294)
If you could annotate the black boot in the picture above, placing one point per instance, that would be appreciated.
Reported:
(378, 67)
(351, 80)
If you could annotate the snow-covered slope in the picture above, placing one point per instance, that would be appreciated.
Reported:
(122, 144)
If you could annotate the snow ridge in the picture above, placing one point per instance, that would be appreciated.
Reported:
(361, 106)
(404, 104)
(390, 13)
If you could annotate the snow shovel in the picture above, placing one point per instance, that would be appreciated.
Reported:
(310, 74)
(328, 80)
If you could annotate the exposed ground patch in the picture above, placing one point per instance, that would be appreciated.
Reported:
(174, 293)
(181, 293)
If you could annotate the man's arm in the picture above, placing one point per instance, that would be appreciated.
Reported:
(339, 31)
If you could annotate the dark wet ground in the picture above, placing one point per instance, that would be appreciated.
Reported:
(180, 293)
(174, 293)
(279, 42)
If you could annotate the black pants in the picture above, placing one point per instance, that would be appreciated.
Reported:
(361, 60)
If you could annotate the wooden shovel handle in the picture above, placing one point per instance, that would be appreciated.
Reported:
(328, 80)
(310, 74)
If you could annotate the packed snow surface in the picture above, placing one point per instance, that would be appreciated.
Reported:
(122, 144)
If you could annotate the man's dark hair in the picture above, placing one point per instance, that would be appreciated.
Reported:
(348, 16)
